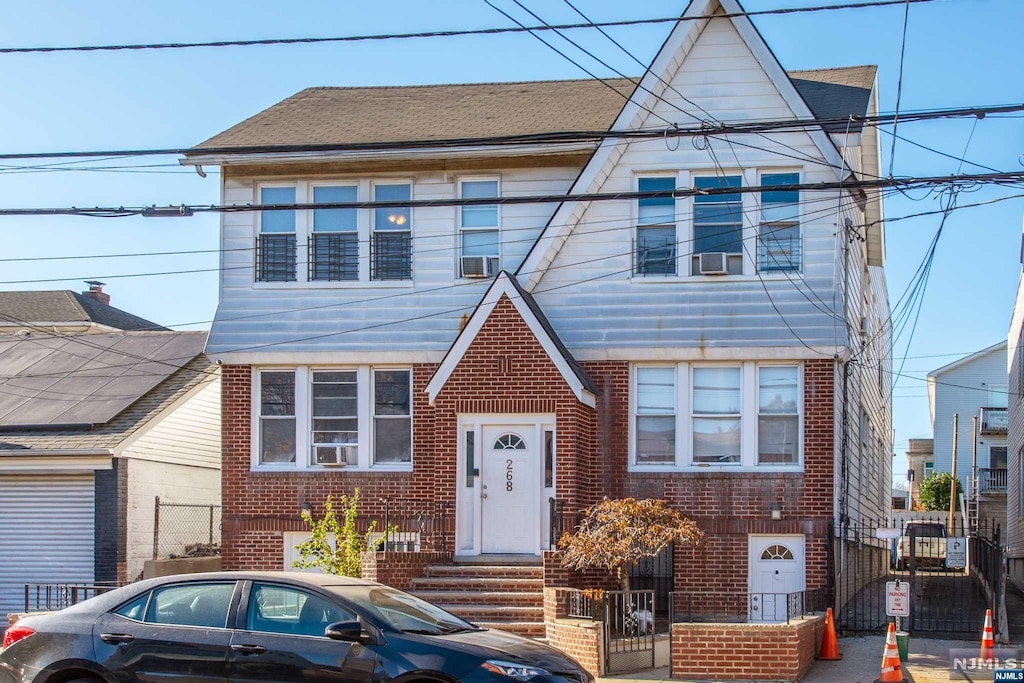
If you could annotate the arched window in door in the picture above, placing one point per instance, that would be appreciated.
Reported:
(777, 552)
(509, 442)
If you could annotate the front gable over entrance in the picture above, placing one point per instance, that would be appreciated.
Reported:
(505, 292)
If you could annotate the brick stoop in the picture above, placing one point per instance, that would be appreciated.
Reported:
(506, 597)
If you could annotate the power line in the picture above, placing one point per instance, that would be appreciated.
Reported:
(556, 137)
(1006, 178)
(435, 34)
(899, 86)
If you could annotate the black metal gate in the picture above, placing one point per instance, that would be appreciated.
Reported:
(656, 574)
(629, 630)
(949, 593)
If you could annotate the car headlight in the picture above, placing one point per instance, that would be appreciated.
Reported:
(520, 672)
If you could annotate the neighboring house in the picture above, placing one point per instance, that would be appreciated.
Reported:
(920, 461)
(1015, 440)
(64, 311)
(973, 387)
(92, 428)
(503, 364)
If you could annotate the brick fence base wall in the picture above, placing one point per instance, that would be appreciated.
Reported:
(398, 569)
(746, 652)
(581, 639)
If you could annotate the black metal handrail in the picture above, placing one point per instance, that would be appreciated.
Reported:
(47, 597)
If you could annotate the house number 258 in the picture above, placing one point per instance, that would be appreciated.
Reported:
(508, 474)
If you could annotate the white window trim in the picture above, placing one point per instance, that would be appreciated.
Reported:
(304, 420)
(679, 213)
(457, 222)
(748, 420)
(304, 232)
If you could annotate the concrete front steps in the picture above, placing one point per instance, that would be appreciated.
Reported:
(507, 597)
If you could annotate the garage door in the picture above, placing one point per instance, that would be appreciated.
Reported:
(46, 534)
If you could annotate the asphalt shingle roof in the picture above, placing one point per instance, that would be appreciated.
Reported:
(108, 436)
(65, 306)
(340, 116)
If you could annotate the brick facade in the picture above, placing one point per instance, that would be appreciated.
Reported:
(506, 370)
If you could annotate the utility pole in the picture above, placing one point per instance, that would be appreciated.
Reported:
(952, 484)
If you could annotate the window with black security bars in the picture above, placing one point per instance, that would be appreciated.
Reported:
(275, 258)
(334, 257)
(391, 256)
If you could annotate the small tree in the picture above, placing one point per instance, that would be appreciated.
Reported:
(335, 546)
(935, 491)
(616, 534)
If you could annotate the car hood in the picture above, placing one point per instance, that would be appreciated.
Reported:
(514, 648)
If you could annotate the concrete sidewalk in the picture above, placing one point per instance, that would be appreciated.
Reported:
(861, 663)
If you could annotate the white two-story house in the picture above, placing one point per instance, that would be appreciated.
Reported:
(504, 364)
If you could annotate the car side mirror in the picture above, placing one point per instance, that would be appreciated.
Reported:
(344, 630)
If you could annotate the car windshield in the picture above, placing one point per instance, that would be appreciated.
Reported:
(403, 611)
(926, 530)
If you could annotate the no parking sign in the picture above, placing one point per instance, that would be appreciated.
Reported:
(897, 598)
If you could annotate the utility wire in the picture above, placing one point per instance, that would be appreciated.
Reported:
(437, 34)
(899, 86)
(1007, 178)
(554, 137)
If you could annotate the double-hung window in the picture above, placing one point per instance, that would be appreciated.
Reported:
(392, 416)
(478, 230)
(335, 414)
(334, 242)
(357, 417)
(655, 252)
(717, 227)
(275, 243)
(778, 240)
(717, 420)
(655, 427)
(391, 243)
(778, 414)
(277, 417)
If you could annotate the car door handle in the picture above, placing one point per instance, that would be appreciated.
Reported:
(248, 649)
(117, 638)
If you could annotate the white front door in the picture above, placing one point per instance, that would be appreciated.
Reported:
(776, 574)
(510, 489)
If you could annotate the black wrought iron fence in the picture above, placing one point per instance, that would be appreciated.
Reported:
(185, 529)
(47, 597)
(409, 525)
(746, 607)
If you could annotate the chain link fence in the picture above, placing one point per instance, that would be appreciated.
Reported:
(185, 530)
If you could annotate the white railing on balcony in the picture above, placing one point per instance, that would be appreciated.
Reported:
(991, 480)
(993, 420)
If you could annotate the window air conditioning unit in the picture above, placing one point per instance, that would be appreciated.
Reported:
(479, 266)
(714, 263)
(335, 455)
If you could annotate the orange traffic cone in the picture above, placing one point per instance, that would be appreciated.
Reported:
(891, 671)
(829, 644)
(988, 643)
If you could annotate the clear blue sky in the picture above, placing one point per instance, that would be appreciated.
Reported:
(959, 52)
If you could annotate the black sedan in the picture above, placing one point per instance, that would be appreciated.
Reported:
(257, 627)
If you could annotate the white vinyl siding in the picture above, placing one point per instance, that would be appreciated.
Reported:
(188, 435)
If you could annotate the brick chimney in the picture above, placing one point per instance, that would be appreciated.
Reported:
(95, 291)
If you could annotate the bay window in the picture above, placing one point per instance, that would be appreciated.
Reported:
(716, 415)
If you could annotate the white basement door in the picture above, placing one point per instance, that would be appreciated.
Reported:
(46, 534)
